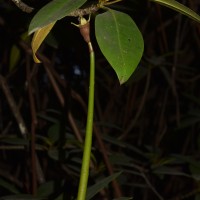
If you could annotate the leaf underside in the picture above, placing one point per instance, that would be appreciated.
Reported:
(38, 38)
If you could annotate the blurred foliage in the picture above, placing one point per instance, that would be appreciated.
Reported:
(149, 126)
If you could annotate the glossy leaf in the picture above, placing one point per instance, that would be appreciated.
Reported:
(38, 38)
(53, 11)
(120, 42)
(180, 8)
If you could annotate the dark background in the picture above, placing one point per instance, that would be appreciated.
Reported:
(149, 126)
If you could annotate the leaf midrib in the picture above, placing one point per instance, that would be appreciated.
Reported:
(118, 38)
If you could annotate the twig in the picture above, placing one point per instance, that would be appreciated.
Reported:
(19, 119)
(52, 76)
(11, 178)
(162, 28)
(132, 123)
(174, 68)
(4, 132)
(74, 127)
(115, 185)
(21, 5)
(76, 13)
(85, 11)
(162, 126)
(54, 84)
(13, 107)
(151, 186)
(62, 102)
(33, 127)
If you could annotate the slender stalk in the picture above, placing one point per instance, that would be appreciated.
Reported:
(89, 130)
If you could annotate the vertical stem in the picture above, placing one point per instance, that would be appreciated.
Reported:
(89, 129)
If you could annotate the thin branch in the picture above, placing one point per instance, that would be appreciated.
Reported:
(13, 106)
(85, 11)
(21, 5)
(76, 13)
(132, 123)
(151, 186)
(53, 77)
(33, 126)
(115, 184)
(74, 127)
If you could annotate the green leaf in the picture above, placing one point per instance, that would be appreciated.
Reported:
(180, 8)
(93, 190)
(120, 42)
(53, 11)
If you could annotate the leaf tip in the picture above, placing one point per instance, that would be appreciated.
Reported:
(31, 29)
(122, 80)
(36, 60)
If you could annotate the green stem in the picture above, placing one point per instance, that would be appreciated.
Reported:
(89, 129)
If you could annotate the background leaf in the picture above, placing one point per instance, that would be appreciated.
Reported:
(180, 8)
(21, 197)
(14, 57)
(47, 188)
(53, 11)
(8, 186)
(120, 41)
(93, 190)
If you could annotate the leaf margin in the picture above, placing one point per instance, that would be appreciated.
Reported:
(50, 13)
(180, 8)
